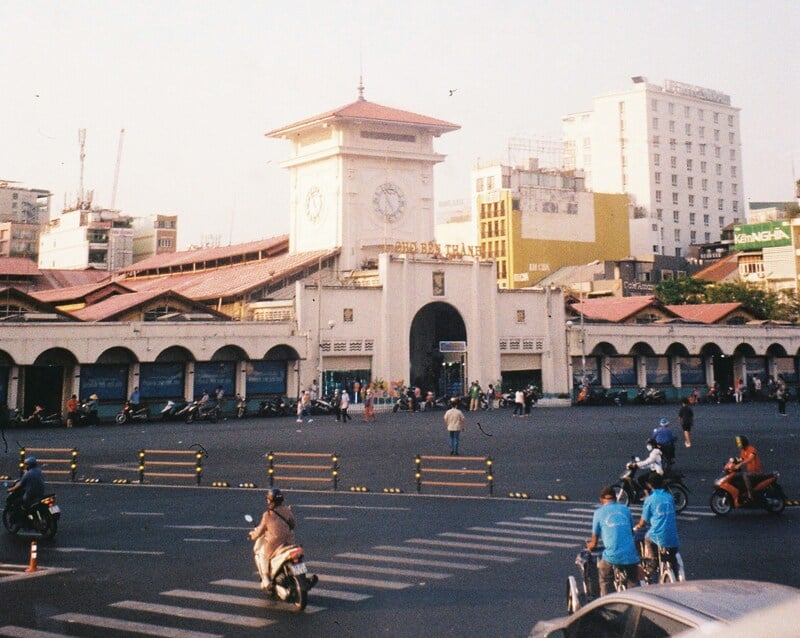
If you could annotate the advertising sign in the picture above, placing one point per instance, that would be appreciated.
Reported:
(452, 346)
(109, 382)
(266, 377)
(161, 380)
(764, 235)
(210, 374)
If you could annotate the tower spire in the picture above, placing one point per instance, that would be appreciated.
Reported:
(361, 87)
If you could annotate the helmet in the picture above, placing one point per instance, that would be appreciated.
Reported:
(663, 422)
(652, 441)
(274, 495)
(742, 441)
(30, 462)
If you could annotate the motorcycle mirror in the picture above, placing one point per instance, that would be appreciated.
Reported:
(248, 518)
(636, 459)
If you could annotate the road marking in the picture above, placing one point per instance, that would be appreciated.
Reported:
(21, 632)
(494, 530)
(142, 513)
(206, 540)
(551, 515)
(363, 582)
(11, 573)
(411, 561)
(450, 554)
(249, 584)
(378, 570)
(500, 539)
(352, 507)
(89, 550)
(260, 602)
(190, 612)
(133, 627)
(557, 528)
(206, 527)
(488, 549)
(324, 518)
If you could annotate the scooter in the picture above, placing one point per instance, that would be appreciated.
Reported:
(130, 414)
(41, 517)
(174, 410)
(650, 396)
(196, 412)
(37, 418)
(289, 581)
(627, 489)
(729, 489)
(241, 407)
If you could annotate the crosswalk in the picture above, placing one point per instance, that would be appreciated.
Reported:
(352, 577)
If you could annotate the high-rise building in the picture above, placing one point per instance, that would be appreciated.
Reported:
(675, 149)
(154, 235)
(23, 213)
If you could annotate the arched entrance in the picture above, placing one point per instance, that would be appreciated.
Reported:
(430, 368)
(44, 380)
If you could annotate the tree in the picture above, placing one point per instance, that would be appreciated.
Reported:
(681, 290)
(762, 303)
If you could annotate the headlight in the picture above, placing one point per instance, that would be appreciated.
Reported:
(718, 482)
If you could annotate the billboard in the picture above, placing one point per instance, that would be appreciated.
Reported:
(764, 235)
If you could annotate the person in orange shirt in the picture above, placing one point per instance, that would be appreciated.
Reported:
(749, 462)
(72, 410)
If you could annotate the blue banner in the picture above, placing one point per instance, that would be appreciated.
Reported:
(211, 374)
(107, 381)
(266, 377)
(161, 380)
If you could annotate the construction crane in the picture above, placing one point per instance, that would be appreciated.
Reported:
(116, 169)
(82, 142)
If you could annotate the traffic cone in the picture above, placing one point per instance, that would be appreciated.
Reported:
(34, 552)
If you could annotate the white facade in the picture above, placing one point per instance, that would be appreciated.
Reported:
(676, 149)
(87, 238)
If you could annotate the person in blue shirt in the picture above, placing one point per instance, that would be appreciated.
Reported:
(612, 522)
(658, 511)
(666, 441)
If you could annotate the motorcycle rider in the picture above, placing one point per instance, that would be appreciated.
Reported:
(749, 463)
(30, 489)
(652, 465)
(613, 523)
(665, 438)
(658, 511)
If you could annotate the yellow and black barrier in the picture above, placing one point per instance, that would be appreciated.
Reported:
(444, 466)
(289, 466)
(173, 459)
(59, 460)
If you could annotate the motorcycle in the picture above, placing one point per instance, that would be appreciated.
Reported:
(407, 403)
(290, 581)
(435, 403)
(41, 517)
(174, 410)
(37, 418)
(130, 414)
(651, 396)
(198, 412)
(767, 492)
(241, 407)
(275, 406)
(627, 489)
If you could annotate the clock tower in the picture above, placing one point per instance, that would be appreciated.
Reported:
(361, 179)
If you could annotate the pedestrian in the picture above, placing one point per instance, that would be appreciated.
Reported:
(519, 403)
(474, 396)
(454, 419)
(72, 410)
(369, 406)
(337, 404)
(135, 398)
(490, 395)
(757, 388)
(344, 403)
(780, 396)
(304, 407)
(314, 390)
(219, 395)
(686, 419)
(612, 522)
(528, 399)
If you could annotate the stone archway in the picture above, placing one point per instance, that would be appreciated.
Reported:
(429, 368)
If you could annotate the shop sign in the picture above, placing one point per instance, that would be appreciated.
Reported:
(452, 346)
(442, 251)
(765, 235)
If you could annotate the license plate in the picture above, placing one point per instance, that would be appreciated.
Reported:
(55, 510)
(298, 568)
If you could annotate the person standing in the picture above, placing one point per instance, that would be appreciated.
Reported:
(780, 396)
(490, 395)
(369, 406)
(454, 419)
(72, 410)
(314, 390)
(135, 398)
(474, 396)
(344, 403)
(612, 522)
(304, 407)
(757, 388)
(686, 419)
(519, 403)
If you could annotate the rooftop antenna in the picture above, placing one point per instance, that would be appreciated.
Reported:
(360, 77)
(82, 142)
(116, 169)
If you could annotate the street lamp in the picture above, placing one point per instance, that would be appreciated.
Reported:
(320, 367)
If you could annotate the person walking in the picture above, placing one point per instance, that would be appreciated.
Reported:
(337, 404)
(474, 396)
(369, 406)
(519, 403)
(304, 407)
(780, 396)
(454, 419)
(72, 410)
(490, 396)
(686, 419)
(344, 403)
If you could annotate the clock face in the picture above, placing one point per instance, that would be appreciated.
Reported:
(314, 204)
(389, 202)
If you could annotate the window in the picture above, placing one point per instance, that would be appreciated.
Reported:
(716, 135)
(657, 178)
(347, 315)
(165, 242)
(732, 155)
(654, 105)
(688, 128)
(692, 218)
(703, 166)
(689, 165)
(479, 185)
(676, 216)
(716, 118)
(702, 149)
(671, 108)
(606, 620)
(706, 218)
(701, 132)
(674, 179)
(674, 199)
(721, 206)
(731, 138)
(693, 236)
(719, 186)
(700, 114)
(656, 140)
(734, 189)
(659, 213)
(520, 316)
(654, 228)
(735, 205)
(690, 182)
(653, 625)
(688, 147)
(677, 235)
(730, 120)
(691, 198)
(716, 151)
(704, 184)
(719, 169)
(658, 196)
(687, 111)
(656, 159)
(707, 237)
(672, 144)
(678, 251)
(673, 162)
(490, 182)
(655, 123)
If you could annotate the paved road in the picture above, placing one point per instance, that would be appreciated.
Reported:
(145, 559)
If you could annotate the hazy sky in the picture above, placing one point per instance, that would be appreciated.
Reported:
(196, 85)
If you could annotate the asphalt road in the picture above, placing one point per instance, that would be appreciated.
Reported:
(449, 561)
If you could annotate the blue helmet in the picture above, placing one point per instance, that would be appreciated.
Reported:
(664, 422)
(30, 462)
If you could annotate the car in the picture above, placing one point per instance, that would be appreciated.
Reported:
(666, 610)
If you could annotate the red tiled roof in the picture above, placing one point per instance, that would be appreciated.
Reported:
(205, 255)
(113, 306)
(229, 281)
(364, 110)
(724, 269)
(18, 266)
(77, 293)
(705, 312)
(67, 278)
(613, 309)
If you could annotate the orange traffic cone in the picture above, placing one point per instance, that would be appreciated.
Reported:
(34, 552)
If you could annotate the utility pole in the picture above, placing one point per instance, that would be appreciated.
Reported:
(82, 142)
(116, 169)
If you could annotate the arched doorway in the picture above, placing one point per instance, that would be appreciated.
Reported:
(430, 367)
(44, 380)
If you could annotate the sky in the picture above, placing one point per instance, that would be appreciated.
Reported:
(196, 84)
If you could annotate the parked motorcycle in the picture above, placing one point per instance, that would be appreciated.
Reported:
(275, 406)
(435, 403)
(651, 396)
(405, 403)
(41, 517)
(196, 412)
(241, 407)
(627, 489)
(87, 414)
(38, 418)
(289, 581)
(730, 488)
(128, 413)
(174, 410)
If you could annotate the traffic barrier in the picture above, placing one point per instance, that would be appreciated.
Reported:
(173, 459)
(247, 485)
(120, 481)
(443, 465)
(302, 472)
(518, 495)
(556, 497)
(392, 490)
(359, 488)
(33, 565)
(55, 465)
(220, 484)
